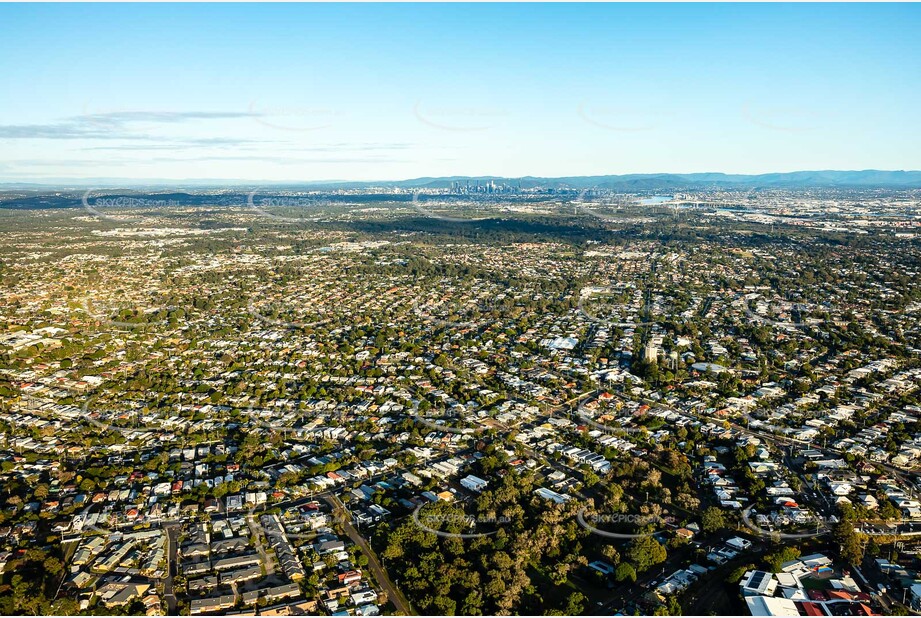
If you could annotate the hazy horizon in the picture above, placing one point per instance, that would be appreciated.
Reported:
(204, 182)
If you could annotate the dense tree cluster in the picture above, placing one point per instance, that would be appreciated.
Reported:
(521, 565)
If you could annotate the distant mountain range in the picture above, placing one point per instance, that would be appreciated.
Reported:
(646, 182)
(624, 182)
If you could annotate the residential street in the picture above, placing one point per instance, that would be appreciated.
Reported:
(380, 575)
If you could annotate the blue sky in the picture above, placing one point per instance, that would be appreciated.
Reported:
(371, 91)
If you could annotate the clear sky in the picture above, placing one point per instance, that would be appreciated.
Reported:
(369, 91)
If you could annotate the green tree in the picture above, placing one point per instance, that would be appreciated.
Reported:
(575, 604)
(736, 575)
(712, 519)
(645, 552)
(775, 559)
(849, 541)
(625, 572)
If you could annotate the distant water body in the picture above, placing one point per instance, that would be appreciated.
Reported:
(655, 199)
